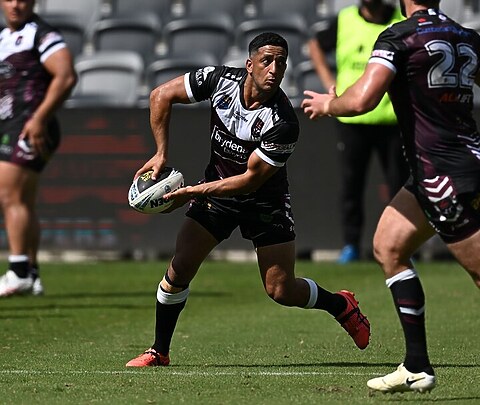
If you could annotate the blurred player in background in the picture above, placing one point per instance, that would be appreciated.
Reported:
(351, 36)
(254, 130)
(36, 76)
(429, 65)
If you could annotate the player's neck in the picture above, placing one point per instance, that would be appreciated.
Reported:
(253, 97)
(413, 8)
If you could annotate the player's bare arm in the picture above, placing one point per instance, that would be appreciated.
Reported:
(60, 67)
(258, 172)
(162, 99)
(363, 96)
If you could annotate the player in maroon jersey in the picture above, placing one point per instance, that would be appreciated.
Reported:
(253, 132)
(36, 75)
(429, 65)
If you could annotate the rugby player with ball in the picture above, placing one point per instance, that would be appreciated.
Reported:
(254, 130)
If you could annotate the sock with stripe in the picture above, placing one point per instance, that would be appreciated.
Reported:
(168, 310)
(409, 300)
(320, 298)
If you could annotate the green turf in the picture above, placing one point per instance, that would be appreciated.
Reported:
(233, 345)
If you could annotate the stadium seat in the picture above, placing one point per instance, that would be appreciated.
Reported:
(307, 9)
(292, 28)
(137, 32)
(84, 12)
(453, 9)
(189, 36)
(236, 9)
(163, 70)
(161, 8)
(306, 78)
(72, 31)
(108, 78)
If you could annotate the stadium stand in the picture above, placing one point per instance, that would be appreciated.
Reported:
(72, 30)
(85, 12)
(107, 78)
(136, 32)
(291, 27)
(189, 36)
(163, 70)
(236, 9)
(306, 9)
(163, 9)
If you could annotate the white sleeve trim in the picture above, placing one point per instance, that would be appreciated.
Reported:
(265, 158)
(383, 62)
(186, 81)
(51, 51)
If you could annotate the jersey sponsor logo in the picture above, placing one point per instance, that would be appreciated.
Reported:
(278, 147)
(201, 74)
(239, 116)
(228, 148)
(451, 97)
(380, 53)
(257, 126)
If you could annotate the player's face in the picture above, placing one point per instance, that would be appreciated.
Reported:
(267, 67)
(17, 12)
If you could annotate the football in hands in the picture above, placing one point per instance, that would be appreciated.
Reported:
(146, 195)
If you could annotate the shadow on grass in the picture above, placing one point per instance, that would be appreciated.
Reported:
(315, 364)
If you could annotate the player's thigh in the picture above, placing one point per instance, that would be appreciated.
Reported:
(467, 254)
(17, 183)
(194, 243)
(401, 230)
(277, 264)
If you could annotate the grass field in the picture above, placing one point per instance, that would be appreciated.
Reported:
(233, 345)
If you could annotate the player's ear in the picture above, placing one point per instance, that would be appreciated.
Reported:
(249, 65)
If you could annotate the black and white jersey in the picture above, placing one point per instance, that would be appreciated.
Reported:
(270, 131)
(23, 79)
(435, 61)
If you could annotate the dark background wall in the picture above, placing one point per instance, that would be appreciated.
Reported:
(83, 198)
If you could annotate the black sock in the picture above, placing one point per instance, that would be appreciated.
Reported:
(21, 269)
(333, 303)
(35, 271)
(165, 321)
(409, 301)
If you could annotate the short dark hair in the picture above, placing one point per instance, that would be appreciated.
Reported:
(267, 38)
(427, 3)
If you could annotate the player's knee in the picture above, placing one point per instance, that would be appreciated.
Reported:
(385, 251)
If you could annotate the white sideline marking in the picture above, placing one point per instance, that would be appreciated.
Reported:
(190, 373)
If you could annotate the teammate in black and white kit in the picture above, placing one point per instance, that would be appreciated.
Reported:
(254, 130)
(36, 75)
(429, 65)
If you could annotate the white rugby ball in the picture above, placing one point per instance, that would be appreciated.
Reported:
(146, 195)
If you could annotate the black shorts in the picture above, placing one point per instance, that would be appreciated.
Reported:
(265, 222)
(454, 216)
(17, 151)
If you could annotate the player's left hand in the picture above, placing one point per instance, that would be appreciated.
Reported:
(180, 197)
